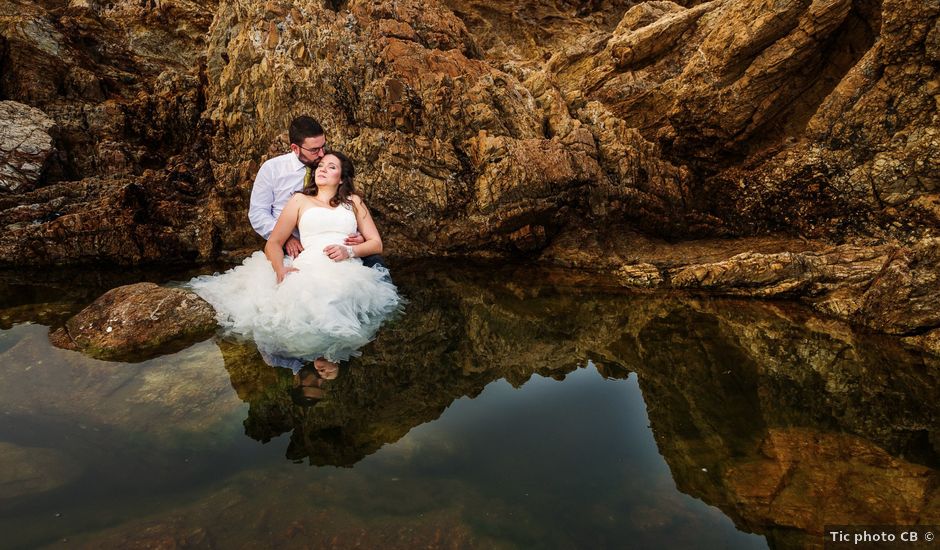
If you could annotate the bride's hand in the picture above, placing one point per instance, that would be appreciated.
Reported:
(336, 252)
(283, 273)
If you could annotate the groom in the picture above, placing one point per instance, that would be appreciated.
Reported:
(282, 176)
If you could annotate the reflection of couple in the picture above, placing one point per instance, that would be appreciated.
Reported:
(322, 300)
(309, 381)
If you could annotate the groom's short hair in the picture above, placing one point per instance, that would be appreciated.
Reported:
(302, 128)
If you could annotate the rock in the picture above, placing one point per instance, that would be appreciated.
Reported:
(137, 321)
(929, 341)
(886, 288)
(909, 278)
(496, 132)
(766, 275)
(640, 275)
(24, 146)
(645, 32)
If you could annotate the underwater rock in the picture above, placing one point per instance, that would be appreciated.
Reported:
(138, 321)
(186, 392)
(29, 470)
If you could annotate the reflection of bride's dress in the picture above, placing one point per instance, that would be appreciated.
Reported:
(326, 309)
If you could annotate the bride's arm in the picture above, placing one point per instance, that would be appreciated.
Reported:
(373, 242)
(274, 249)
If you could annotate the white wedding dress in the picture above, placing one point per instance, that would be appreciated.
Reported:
(325, 309)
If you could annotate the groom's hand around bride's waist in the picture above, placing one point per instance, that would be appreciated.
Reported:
(293, 247)
(354, 238)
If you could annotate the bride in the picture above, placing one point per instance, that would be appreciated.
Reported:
(324, 303)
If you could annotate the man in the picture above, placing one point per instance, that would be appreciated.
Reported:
(282, 176)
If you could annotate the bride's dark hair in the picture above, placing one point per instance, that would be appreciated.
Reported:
(347, 172)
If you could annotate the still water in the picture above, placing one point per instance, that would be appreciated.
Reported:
(506, 408)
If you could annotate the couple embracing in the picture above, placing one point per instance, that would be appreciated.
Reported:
(319, 288)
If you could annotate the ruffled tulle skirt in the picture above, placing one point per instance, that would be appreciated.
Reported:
(325, 309)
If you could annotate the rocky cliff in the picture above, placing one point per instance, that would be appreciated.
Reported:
(762, 148)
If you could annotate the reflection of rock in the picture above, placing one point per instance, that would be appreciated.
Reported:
(54, 313)
(24, 145)
(730, 384)
(450, 343)
(28, 470)
(138, 321)
(723, 381)
(765, 410)
(789, 422)
(807, 479)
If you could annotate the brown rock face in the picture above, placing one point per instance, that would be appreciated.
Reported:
(24, 145)
(120, 85)
(495, 131)
(138, 320)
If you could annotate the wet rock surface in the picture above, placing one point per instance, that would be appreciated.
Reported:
(498, 131)
(138, 321)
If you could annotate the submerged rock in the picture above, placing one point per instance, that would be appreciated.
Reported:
(30, 470)
(136, 321)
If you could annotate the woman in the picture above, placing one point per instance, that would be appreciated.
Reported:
(324, 303)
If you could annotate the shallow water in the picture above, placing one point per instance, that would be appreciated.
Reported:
(507, 408)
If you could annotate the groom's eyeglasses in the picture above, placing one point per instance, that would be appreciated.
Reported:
(313, 150)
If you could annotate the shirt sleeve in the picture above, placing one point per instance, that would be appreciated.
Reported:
(262, 202)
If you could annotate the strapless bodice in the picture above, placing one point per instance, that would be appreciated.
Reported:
(320, 227)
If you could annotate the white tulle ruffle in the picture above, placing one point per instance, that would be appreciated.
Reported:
(325, 309)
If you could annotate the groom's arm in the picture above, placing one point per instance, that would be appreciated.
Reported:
(262, 201)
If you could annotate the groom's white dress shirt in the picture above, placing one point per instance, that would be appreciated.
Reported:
(277, 179)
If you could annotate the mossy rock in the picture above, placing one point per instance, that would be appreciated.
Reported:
(137, 322)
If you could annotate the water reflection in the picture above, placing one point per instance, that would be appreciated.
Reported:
(788, 423)
(784, 421)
